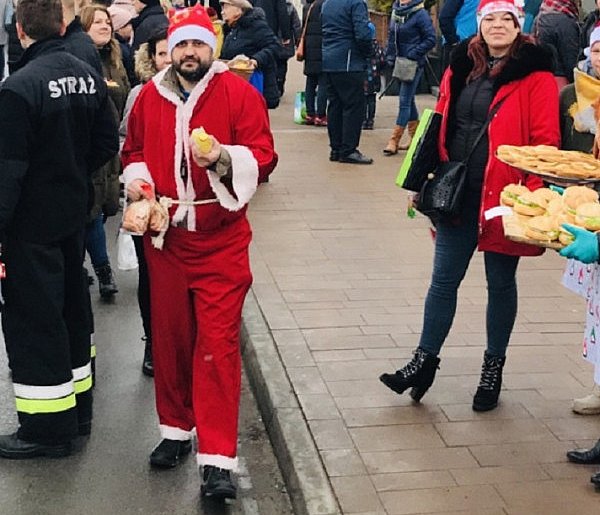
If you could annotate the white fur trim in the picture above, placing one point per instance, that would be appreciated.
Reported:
(135, 171)
(183, 116)
(216, 460)
(196, 32)
(245, 178)
(175, 433)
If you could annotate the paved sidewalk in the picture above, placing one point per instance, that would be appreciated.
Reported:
(340, 274)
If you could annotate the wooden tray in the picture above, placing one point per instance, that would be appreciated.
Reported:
(514, 231)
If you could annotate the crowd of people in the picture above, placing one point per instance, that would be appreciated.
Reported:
(108, 93)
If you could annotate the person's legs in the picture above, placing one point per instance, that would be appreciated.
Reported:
(310, 94)
(370, 103)
(282, 68)
(173, 333)
(143, 296)
(335, 113)
(454, 247)
(407, 108)
(500, 271)
(321, 95)
(37, 344)
(76, 313)
(219, 283)
(353, 102)
(95, 244)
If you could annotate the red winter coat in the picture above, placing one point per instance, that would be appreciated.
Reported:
(528, 116)
(158, 140)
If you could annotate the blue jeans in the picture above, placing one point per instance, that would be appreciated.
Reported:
(407, 112)
(95, 241)
(316, 89)
(454, 247)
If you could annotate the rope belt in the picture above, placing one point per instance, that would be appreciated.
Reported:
(167, 202)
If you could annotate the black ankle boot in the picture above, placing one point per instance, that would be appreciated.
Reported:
(147, 364)
(106, 281)
(418, 373)
(217, 483)
(488, 391)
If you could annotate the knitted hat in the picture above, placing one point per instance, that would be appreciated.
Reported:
(594, 36)
(119, 16)
(244, 5)
(514, 7)
(190, 23)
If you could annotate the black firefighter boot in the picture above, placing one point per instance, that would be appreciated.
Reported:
(106, 281)
(488, 391)
(418, 373)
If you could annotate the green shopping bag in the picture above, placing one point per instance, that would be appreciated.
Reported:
(300, 108)
(422, 157)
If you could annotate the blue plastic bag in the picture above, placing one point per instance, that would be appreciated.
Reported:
(257, 79)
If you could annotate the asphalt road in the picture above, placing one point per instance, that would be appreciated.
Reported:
(109, 472)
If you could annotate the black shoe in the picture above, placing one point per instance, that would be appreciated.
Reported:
(595, 479)
(368, 125)
(147, 364)
(217, 483)
(84, 428)
(586, 456)
(167, 453)
(334, 155)
(356, 158)
(490, 383)
(418, 373)
(106, 281)
(13, 448)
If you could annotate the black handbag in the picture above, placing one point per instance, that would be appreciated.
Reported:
(442, 193)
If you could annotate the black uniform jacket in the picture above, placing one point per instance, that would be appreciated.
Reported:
(55, 129)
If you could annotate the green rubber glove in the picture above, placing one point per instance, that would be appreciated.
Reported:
(585, 246)
(558, 189)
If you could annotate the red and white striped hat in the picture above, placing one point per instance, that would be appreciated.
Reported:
(514, 7)
(190, 23)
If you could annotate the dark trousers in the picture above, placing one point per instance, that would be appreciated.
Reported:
(370, 105)
(315, 92)
(282, 68)
(46, 330)
(345, 111)
(143, 291)
(454, 248)
(2, 62)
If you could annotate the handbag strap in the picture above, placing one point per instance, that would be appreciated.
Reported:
(491, 114)
(306, 21)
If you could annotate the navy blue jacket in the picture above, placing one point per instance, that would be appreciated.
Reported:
(346, 36)
(411, 33)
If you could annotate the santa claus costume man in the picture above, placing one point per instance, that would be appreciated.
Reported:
(200, 276)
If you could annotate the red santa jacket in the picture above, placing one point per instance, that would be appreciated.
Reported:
(528, 116)
(158, 142)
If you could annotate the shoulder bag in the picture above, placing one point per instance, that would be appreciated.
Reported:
(442, 192)
(300, 49)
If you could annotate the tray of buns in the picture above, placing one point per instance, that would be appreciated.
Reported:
(552, 164)
(537, 216)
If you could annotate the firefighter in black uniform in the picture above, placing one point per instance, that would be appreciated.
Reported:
(54, 129)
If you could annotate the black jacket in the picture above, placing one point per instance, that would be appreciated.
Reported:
(78, 43)
(277, 16)
(561, 33)
(313, 40)
(147, 23)
(54, 130)
(253, 37)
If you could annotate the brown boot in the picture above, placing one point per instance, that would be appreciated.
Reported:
(411, 128)
(392, 146)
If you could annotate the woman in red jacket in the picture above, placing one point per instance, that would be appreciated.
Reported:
(499, 64)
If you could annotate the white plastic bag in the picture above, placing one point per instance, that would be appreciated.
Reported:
(126, 256)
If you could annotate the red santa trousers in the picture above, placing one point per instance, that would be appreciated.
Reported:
(198, 283)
